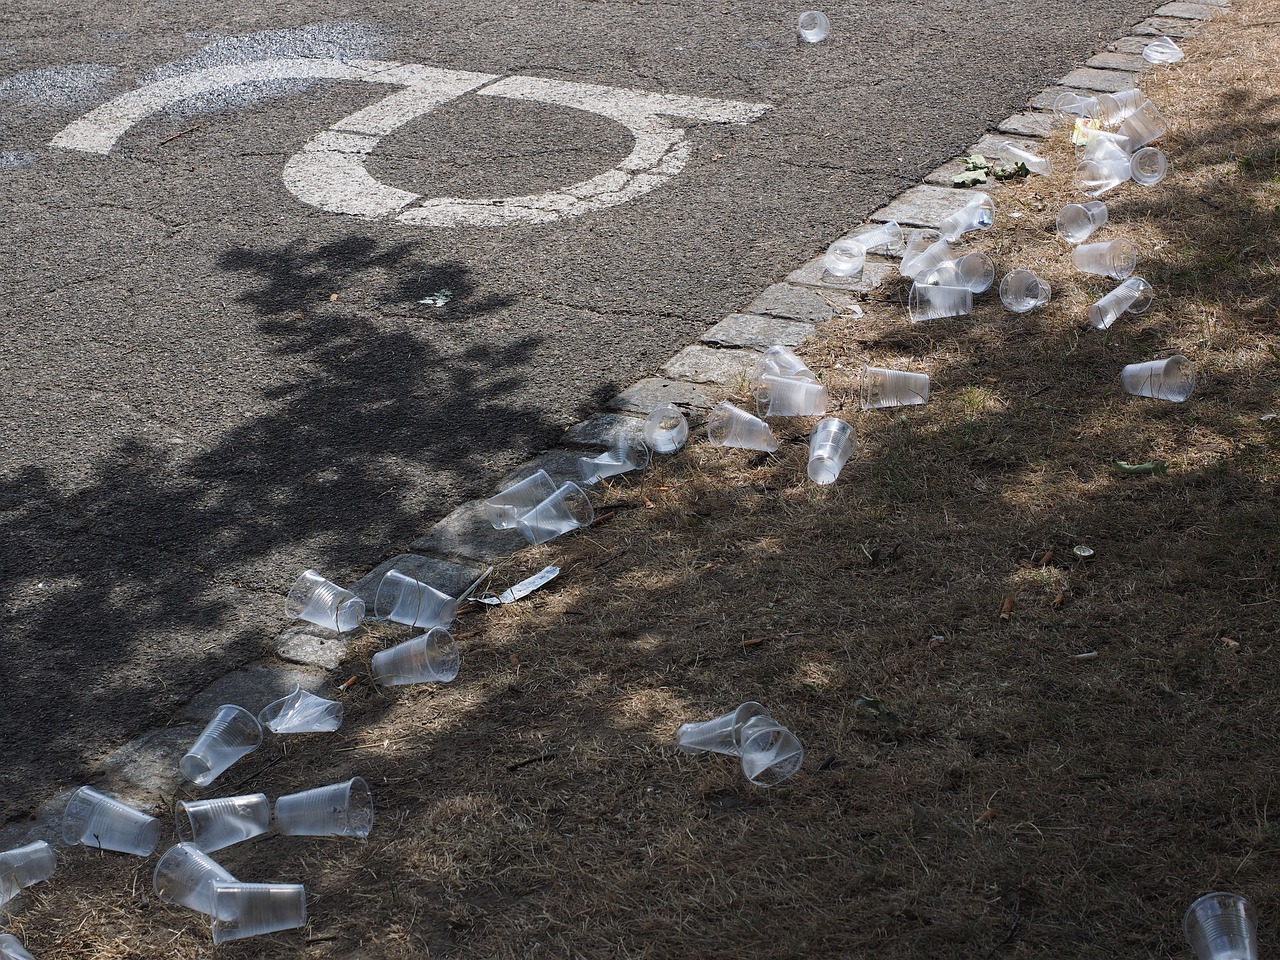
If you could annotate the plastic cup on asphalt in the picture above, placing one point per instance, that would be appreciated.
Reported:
(1148, 166)
(1172, 379)
(1143, 126)
(232, 733)
(97, 820)
(222, 821)
(251, 909)
(506, 508)
(1114, 107)
(336, 810)
(1222, 926)
(563, 512)
(831, 443)
(1078, 221)
(1162, 50)
(406, 600)
(11, 948)
(886, 236)
(1033, 162)
(23, 866)
(780, 361)
(927, 302)
(626, 455)
(790, 397)
(974, 270)
(721, 734)
(1096, 177)
(185, 875)
(881, 387)
(1115, 258)
(729, 426)
(666, 429)
(1022, 291)
(1132, 296)
(430, 658)
(770, 752)
(317, 600)
(813, 26)
(845, 259)
(978, 214)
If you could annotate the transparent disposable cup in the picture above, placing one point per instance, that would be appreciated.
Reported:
(1172, 379)
(790, 397)
(185, 875)
(1069, 105)
(813, 26)
(1096, 177)
(780, 361)
(1033, 162)
(1222, 926)
(927, 302)
(1143, 126)
(728, 426)
(1114, 107)
(1162, 50)
(886, 236)
(407, 600)
(845, 259)
(1078, 221)
(1104, 145)
(213, 824)
(1022, 291)
(301, 712)
(1148, 166)
(563, 512)
(97, 820)
(974, 270)
(28, 864)
(666, 429)
(11, 948)
(882, 387)
(721, 734)
(430, 658)
(770, 752)
(625, 456)
(1132, 296)
(831, 443)
(506, 508)
(978, 214)
(336, 810)
(317, 600)
(1115, 258)
(251, 909)
(925, 249)
(232, 733)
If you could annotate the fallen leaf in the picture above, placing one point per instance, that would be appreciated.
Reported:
(1006, 608)
(987, 815)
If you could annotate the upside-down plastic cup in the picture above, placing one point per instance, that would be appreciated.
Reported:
(626, 455)
(563, 512)
(1148, 166)
(770, 752)
(1033, 162)
(1096, 177)
(1115, 258)
(882, 387)
(97, 820)
(319, 601)
(407, 600)
(430, 658)
(1162, 50)
(728, 426)
(1221, 926)
(831, 443)
(978, 214)
(23, 866)
(1022, 291)
(1172, 379)
(666, 429)
(845, 259)
(506, 508)
(721, 734)
(1143, 126)
(213, 824)
(336, 810)
(974, 270)
(1078, 221)
(790, 397)
(1132, 296)
(301, 712)
(927, 302)
(185, 875)
(251, 909)
(924, 250)
(1115, 107)
(813, 26)
(886, 236)
(11, 948)
(780, 361)
(232, 733)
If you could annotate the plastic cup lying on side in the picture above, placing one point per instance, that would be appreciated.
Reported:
(1096, 177)
(978, 214)
(319, 601)
(728, 426)
(927, 302)
(23, 866)
(1114, 107)
(1162, 50)
(721, 734)
(301, 712)
(626, 455)
(563, 512)
(336, 810)
(11, 948)
(974, 270)
(506, 508)
(1115, 258)
(1078, 221)
(813, 26)
(1143, 126)
(924, 250)
(251, 909)
(1022, 291)
(881, 387)
(222, 821)
(185, 875)
(845, 259)
(430, 658)
(790, 397)
(780, 361)
(1132, 296)
(1221, 926)
(1033, 162)
(770, 752)
(831, 443)
(1148, 166)
(97, 820)
(887, 236)
(1068, 106)
(232, 733)
(666, 429)
(1172, 379)
(407, 600)
(1104, 145)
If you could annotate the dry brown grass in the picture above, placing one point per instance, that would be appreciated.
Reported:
(1015, 800)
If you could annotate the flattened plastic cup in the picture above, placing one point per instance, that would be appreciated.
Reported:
(319, 601)
(813, 26)
(790, 397)
(407, 600)
(845, 259)
(1162, 50)
(831, 443)
(926, 302)
(1114, 107)
(728, 426)
(1132, 296)
(251, 909)
(1148, 166)
(1033, 162)
(978, 214)
(505, 509)
(626, 455)
(1022, 291)
(336, 810)
(1068, 106)
(1096, 177)
(1143, 126)
(1104, 145)
(780, 361)
(1172, 379)
(1115, 258)
(563, 512)
(887, 237)
(301, 712)
(97, 820)
(974, 270)
(924, 250)
(222, 821)
(11, 948)
(1078, 221)
(770, 752)
(721, 734)
(666, 429)
(185, 875)
(881, 387)
(430, 658)
(1222, 926)
(232, 733)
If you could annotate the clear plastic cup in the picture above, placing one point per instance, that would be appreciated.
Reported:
(1036, 164)
(11, 948)
(666, 429)
(927, 244)
(222, 821)
(336, 810)
(845, 259)
(978, 214)
(1172, 379)
(505, 509)
(881, 387)
(232, 733)
(319, 601)
(563, 512)
(721, 734)
(407, 600)
(831, 443)
(1096, 177)
(887, 237)
(1068, 106)
(430, 658)
(1078, 221)
(770, 752)
(1115, 258)
(1132, 296)
(790, 397)
(1143, 126)
(974, 270)
(1148, 166)
(97, 820)
(1162, 50)
(1022, 291)
(301, 712)
(1114, 107)
(185, 875)
(927, 302)
(251, 909)
(728, 426)
(813, 26)
(626, 455)
(26, 865)
(1104, 145)
(1222, 926)
(780, 361)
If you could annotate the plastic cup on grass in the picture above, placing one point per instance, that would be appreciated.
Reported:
(24, 866)
(881, 387)
(666, 429)
(11, 948)
(1162, 50)
(232, 733)
(974, 270)
(1022, 291)
(1114, 258)
(926, 302)
(430, 658)
(1172, 379)
(728, 426)
(770, 752)
(222, 821)
(1148, 166)
(185, 875)
(1078, 221)
(301, 712)
(978, 214)
(626, 455)
(831, 443)
(1143, 126)
(780, 361)
(336, 810)
(1132, 296)
(105, 823)
(723, 734)
(406, 600)
(563, 512)
(790, 397)
(252, 909)
(505, 509)
(1221, 926)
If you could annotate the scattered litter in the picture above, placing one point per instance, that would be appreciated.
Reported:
(1154, 467)
(251, 909)
(317, 600)
(1114, 258)
(440, 298)
(504, 509)
(1085, 656)
(1148, 166)
(563, 512)
(666, 430)
(335, 810)
(881, 387)
(1162, 50)
(104, 823)
(625, 456)
(1021, 291)
(301, 712)
(430, 658)
(831, 443)
(1006, 608)
(406, 600)
(728, 426)
(1267, 417)
(1134, 295)
(1025, 161)
(790, 397)
(523, 588)
(978, 214)
(233, 732)
(845, 259)
(185, 875)
(214, 824)
(1172, 379)
(780, 361)
(24, 866)
(770, 753)
(1083, 552)
(928, 302)
(813, 26)
(1221, 926)
(1078, 221)
(974, 270)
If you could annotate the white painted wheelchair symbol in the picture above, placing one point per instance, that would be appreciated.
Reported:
(330, 173)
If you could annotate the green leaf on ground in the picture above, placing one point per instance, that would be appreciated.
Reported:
(1154, 467)
(883, 713)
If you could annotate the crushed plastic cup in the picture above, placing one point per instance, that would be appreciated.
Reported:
(1172, 379)
(1033, 162)
(831, 443)
(23, 866)
(301, 712)
(251, 909)
(1104, 145)
(1132, 296)
(845, 259)
(978, 214)
(1078, 221)
(1221, 926)
(337, 810)
(104, 823)
(780, 361)
(505, 509)
(1112, 108)
(974, 270)
(925, 302)
(881, 387)
(790, 397)
(222, 821)
(430, 658)
(1143, 126)
(1096, 177)
(813, 26)
(232, 733)
(406, 600)
(886, 236)
(1068, 106)
(317, 600)
(625, 456)
(770, 752)
(1115, 258)
(720, 735)
(563, 512)
(728, 426)
(1162, 50)
(1148, 166)
(1021, 291)
(925, 249)
(185, 875)
(11, 948)
(666, 429)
